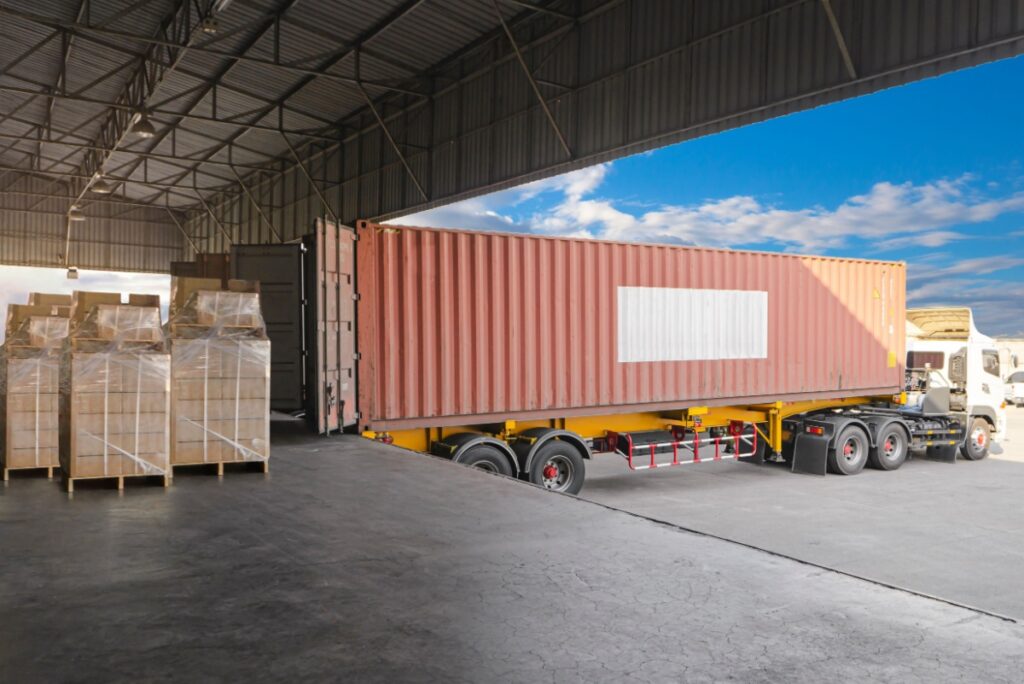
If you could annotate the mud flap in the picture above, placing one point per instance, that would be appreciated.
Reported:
(810, 454)
(943, 453)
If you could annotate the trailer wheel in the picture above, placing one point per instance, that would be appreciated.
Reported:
(850, 452)
(558, 466)
(891, 451)
(975, 446)
(486, 457)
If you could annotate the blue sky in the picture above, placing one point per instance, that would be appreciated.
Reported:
(931, 173)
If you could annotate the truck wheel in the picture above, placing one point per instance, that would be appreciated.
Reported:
(559, 467)
(975, 446)
(486, 457)
(850, 452)
(891, 451)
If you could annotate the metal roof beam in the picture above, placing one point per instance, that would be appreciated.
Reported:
(64, 198)
(158, 114)
(184, 29)
(533, 83)
(840, 40)
(261, 30)
(539, 9)
(374, 31)
(81, 176)
(88, 32)
(148, 155)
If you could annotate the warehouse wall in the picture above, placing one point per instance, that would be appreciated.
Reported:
(627, 77)
(113, 237)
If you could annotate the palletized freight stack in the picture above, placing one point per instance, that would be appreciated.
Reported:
(115, 391)
(29, 383)
(220, 361)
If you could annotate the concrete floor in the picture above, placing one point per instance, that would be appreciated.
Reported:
(353, 561)
(953, 531)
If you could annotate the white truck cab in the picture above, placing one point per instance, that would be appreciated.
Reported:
(946, 340)
(1015, 388)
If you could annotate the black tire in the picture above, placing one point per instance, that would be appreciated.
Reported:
(892, 449)
(850, 453)
(977, 440)
(558, 466)
(488, 458)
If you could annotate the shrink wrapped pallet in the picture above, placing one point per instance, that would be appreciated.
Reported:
(29, 390)
(115, 395)
(220, 380)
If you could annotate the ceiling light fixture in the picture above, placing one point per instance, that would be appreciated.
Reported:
(143, 127)
(101, 187)
(75, 214)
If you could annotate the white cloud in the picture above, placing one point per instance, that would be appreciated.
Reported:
(492, 212)
(896, 215)
(890, 216)
(893, 215)
(936, 238)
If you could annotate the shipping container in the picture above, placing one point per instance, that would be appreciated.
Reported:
(460, 327)
(308, 300)
(524, 354)
(279, 270)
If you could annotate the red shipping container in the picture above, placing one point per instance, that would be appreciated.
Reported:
(460, 327)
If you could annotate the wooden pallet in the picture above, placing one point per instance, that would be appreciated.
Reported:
(69, 482)
(218, 466)
(49, 470)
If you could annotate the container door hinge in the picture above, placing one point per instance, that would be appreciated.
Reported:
(357, 356)
(355, 296)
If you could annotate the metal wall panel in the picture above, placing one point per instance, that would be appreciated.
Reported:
(628, 76)
(461, 327)
(114, 236)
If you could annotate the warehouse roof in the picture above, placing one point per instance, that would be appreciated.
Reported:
(233, 121)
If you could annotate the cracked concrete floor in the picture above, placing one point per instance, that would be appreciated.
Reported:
(353, 561)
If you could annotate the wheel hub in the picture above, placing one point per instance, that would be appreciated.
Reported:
(550, 472)
(979, 438)
(889, 446)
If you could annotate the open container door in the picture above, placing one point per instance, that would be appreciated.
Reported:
(331, 327)
(278, 268)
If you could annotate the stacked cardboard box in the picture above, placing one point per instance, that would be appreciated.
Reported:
(220, 370)
(29, 388)
(115, 392)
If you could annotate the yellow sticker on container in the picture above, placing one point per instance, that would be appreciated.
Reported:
(892, 359)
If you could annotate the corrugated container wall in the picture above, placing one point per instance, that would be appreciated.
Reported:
(459, 327)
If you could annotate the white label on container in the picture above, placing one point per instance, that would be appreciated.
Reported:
(679, 324)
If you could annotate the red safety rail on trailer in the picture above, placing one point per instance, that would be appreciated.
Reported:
(644, 456)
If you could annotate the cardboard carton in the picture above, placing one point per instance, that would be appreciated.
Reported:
(45, 299)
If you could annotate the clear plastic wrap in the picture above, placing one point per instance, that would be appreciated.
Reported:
(29, 390)
(220, 387)
(115, 395)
